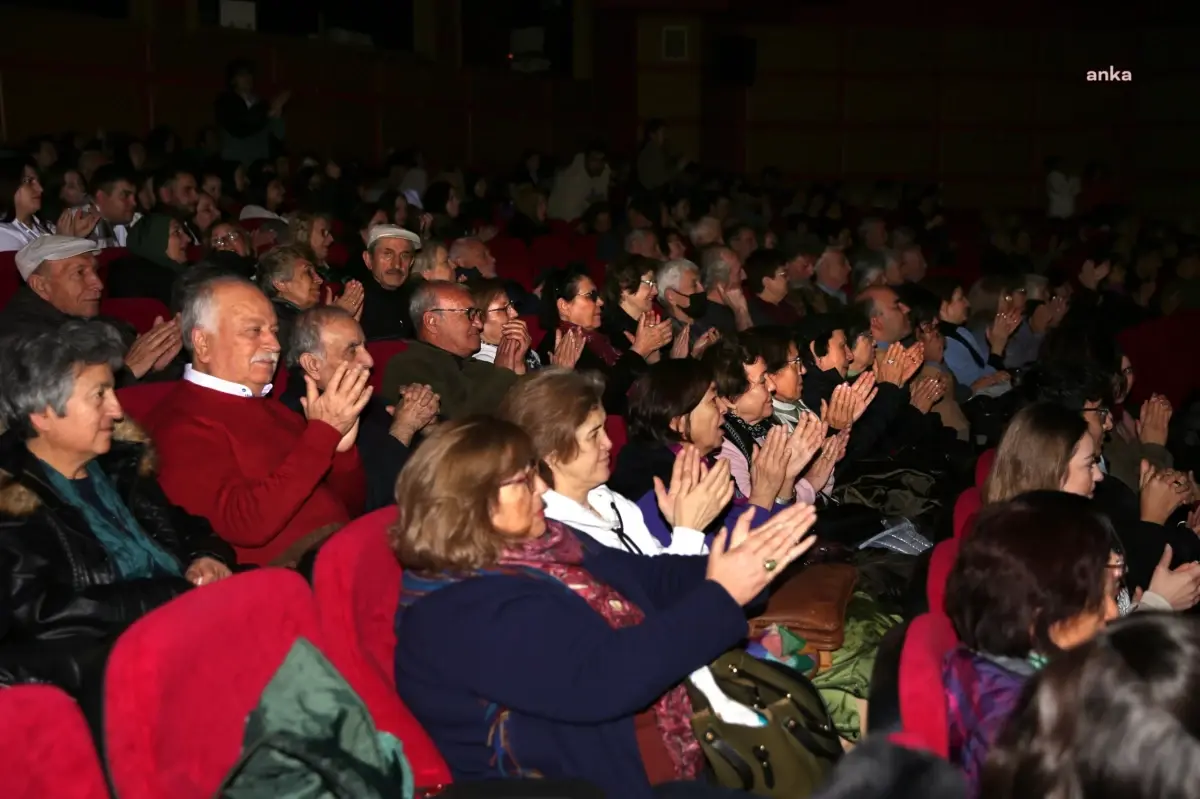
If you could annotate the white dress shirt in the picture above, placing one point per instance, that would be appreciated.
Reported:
(217, 384)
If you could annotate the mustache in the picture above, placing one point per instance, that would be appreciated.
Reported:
(266, 357)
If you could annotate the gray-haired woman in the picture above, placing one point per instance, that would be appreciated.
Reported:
(88, 541)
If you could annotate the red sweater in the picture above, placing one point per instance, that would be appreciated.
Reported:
(262, 475)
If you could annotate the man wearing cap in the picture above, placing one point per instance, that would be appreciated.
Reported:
(61, 284)
(386, 264)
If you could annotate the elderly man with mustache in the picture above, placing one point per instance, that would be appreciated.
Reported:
(384, 276)
(272, 483)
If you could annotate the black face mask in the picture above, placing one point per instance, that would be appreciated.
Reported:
(468, 273)
(697, 305)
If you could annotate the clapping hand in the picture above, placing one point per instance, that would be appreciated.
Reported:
(1181, 586)
(706, 340)
(697, 494)
(681, 345)
(155, 348)
(351, 299)
(567, 348)
(1162, 491)
(418, 406)
(838, 411)
(891, 367)
(863, 392)
(651, 336)
(803, 443)
(1155, 419)
(832, 451)
(768, 468)
(341, 403)
(77, 222)
(925, 393)
(745, 561)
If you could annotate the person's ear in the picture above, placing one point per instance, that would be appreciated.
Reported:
(41, 421)
(39, 285)
(311, 365)
(367, 258)
(562, 306)
(278, 285)
(200, 345)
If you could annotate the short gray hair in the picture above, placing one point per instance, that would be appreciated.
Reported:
(279, 264)
(670, 275)
(197, 305)
(425, 297)
(695, 229)
(306, 333)
(460, 246)
(636, 235)
(714, 268)
(40, 368)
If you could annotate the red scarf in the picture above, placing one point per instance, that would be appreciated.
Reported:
(559, 554)
(596, 342)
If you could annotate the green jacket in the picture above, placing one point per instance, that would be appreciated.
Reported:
(464, 385)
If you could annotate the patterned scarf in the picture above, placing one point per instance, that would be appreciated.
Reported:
(558, 554)
(745, 435)
(596, 342)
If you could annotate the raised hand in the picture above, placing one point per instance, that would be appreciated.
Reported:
(863, 392)
(418, 406)
(768, 468)
(341, 403)
(1001, 329)
(77, 223)
(745, 561)
(838, 412)
(509, 355)
(1180, 587)
(681, 345)
(1162, 491)
(1155, 420)
(697, 494)
(890, 366)
(351, 299)
(804, 442)
(912, 360)
(706, 340)
(160, 344)
(651, 336)
(832, 451)
(925, 393)
(567, 348)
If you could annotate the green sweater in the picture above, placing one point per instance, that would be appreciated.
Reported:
(465, 385)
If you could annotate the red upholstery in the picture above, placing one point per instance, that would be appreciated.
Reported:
(110, 254)
(1152, 348)
(512, 260)
(617, 434)
(139, 401)
(357, 585)
(561, 227)
(194, 253)
(382, 352)
(10, 278)
(48, 749)
(137, 311)
(983, 467)
(940, 563)
(338, 255)
(550, 252)
(922, 697)
(181, 680)
(965, 508)
(536, 334)
(583, 248)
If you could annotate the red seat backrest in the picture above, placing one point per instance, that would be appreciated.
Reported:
(983, 467)
(338, 255)
(940, 563)
(182, 679)
(10, 278)
(561, 227)
(139, 401)
(536, 334)
(381, 353)
(1156, 365)
(922, 695)
(357, 584)
(194, 253)
(965, 508)
(550, 252)
(48, 749)
(137, 311)
(512, 260)
(617, 434)
(110, 254)
(583, 248)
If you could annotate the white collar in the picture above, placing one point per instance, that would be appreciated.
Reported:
(217, 384)
(487, 352)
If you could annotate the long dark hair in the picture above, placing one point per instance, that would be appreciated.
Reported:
(12, 174)
(1115, 718)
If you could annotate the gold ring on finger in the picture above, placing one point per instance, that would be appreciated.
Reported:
(769, 564)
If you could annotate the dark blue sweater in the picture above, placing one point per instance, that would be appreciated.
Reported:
(572, 684)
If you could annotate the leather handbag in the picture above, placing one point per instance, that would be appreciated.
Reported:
(812, 604)
(792, 755)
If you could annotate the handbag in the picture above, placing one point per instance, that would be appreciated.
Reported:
(812, 604)
(791, 755)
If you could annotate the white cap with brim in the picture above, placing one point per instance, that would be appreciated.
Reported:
(51, 248)
(392, 232)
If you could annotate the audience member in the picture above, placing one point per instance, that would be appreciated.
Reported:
(386, 265)
(157, 257)
(499, 315)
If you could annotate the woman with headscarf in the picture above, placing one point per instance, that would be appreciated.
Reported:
(157, 247)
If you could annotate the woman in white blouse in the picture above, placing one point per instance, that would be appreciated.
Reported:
(21, 204)
(490, 296)
(562, 412)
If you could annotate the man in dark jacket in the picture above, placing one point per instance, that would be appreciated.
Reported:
(385, 280)
(61, 284)
(323, 339)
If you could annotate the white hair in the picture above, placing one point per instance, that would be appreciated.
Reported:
(460, 247)
(695, 232)
(670, 275)
(198, 307)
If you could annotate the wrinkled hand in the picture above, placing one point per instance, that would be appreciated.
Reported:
(890, 366)
(1193, 519)
(838, 411)
(73, 222)
(912, 360)
(925, 393)
(1162, 491)
(734, 298)
(832, 451)
(341, 403)
(278, 104)
(768, 468)
(1180, 587)
(567, 348)
(1154, 421)
(863, 392)
(509, 355)
(738, 560)
(697, 494)
(351, 299)
(804, 442)
(706, 340)
(681, 344)
(1001, 329)
(203, 571)
(418, 406)
(651, 336)
(155, 348)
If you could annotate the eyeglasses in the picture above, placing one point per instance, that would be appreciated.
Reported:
(527, 478)
(592, 295)
(645, 282)
(473, 314)
(500, 309)
(1101, 412)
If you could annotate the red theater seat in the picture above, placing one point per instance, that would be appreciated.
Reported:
(966, 507)
(617, 434)
(922, 696)
(382, 352)
(140, 312)
(357, 585)
(182, 679)
(10, 278)
(48, 749)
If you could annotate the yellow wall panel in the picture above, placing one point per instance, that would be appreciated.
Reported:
(669, 95)
(780, 99)
(792, 49)
(650, 37)
(988, 152)
(891, 98)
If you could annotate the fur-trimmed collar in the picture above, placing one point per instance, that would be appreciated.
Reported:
(19, 499)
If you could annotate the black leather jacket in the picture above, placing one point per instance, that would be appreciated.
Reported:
(61, 600)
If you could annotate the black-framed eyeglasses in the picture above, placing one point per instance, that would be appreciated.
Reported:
(592, 295)
(527, 478)
(473, 314)
(500, 308)
(1101, 412)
